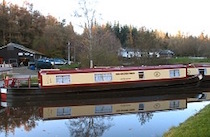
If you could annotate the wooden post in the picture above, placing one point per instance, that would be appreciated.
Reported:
(18, 83)
(29, 82)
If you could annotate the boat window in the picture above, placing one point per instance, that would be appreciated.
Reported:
(63, 79)
(103, 109)
(141, 106)
(141, 75)
(174, 104)
(64, 111)
(103, 77)
(174, 73)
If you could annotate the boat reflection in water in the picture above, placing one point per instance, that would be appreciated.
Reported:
(90, 114)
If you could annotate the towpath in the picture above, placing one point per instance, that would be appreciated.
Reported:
(23, 72)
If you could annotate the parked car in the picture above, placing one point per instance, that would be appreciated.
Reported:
(43, 64)
(58, 61)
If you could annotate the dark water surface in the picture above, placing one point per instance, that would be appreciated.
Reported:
(125, 114)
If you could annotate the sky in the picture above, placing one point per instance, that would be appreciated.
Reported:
(191, 17)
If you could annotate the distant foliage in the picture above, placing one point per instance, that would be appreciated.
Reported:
(20, 24)
(100, 43)
(190, 46)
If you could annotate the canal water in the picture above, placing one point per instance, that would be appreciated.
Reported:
(117, 113)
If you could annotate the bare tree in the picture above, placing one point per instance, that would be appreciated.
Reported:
(87, 12)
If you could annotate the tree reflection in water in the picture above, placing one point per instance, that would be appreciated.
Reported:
(89, 126)
(144, 117)
(17, 117)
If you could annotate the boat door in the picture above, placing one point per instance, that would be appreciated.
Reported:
(202, 71)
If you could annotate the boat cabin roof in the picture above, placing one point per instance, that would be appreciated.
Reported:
(110, 69)
(199, 65)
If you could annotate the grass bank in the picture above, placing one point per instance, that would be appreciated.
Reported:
(195, 126)
(72, 66)
(148, 62)
(187, 60)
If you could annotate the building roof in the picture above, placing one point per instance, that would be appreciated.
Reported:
(21, 47)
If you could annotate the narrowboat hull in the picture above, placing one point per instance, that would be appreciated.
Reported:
(205, 82)
(101, 98)
(35, 93)
(62, 82)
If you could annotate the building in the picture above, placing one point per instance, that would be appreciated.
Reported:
(166, 53)
(16, 54)
(131, 53)
(128, 53)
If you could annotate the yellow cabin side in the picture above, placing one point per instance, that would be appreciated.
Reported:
(164, 73)
(192, 71)
(195, 71)
(117, 76)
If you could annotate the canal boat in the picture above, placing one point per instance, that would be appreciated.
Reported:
(203, 69)
(101, 79)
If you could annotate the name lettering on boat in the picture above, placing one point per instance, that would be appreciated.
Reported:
(48, 80)
(126, 73)
(126, 108)
(125, 78)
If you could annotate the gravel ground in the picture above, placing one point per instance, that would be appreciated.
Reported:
(23, 71)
